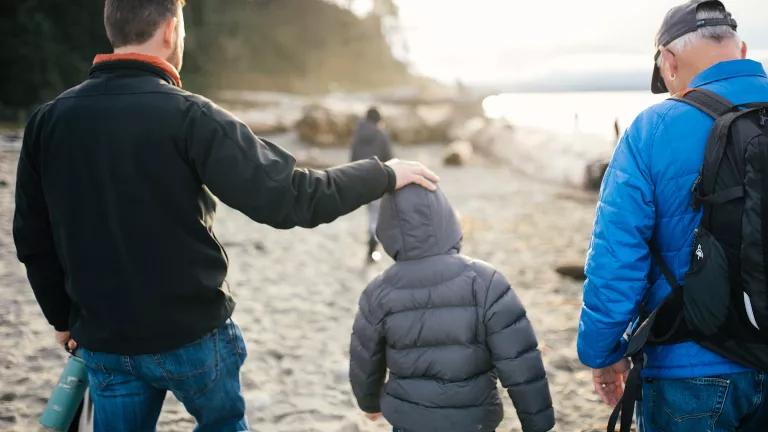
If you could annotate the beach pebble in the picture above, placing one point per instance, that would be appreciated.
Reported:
(349, 426)
(258, 401)
(275, 354)
(458, 153)
(572, 270)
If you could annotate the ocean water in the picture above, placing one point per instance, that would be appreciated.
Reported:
(593, 113)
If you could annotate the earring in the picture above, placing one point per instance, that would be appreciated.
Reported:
(673, 77)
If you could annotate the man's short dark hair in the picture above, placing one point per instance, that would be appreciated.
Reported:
(133, 22)
(373, 115)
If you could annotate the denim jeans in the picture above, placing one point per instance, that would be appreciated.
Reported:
(128, 390)
(734, 402)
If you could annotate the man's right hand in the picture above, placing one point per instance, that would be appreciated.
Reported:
(609, 381)
(407, 172)
(64, 339)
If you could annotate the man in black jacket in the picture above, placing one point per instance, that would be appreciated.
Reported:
(114, 214)
(370, 141)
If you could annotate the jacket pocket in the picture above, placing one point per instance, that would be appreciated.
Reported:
(706, 291)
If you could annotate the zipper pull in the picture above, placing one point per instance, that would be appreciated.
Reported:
(694, 192)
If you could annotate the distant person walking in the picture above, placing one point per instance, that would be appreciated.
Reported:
(664, 220)
(114, 222)
(371, 141)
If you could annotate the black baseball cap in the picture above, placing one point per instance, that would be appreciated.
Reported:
(679, 21)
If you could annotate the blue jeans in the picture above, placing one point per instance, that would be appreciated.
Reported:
(128, 390)
(734, 402)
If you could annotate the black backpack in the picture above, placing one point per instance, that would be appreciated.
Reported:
(723, 301)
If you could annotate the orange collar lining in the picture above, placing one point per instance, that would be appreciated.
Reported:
(144, 58)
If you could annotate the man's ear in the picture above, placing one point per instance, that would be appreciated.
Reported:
(744, 50)
(669, 61)
(169, 30)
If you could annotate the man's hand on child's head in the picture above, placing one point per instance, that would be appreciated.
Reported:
(373, 416)
(407, 172)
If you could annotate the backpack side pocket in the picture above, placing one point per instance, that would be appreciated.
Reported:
(707, 291)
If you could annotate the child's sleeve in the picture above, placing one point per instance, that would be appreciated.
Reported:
(514, 350)
(367, 365)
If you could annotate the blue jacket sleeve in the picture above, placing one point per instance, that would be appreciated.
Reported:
(618, 260)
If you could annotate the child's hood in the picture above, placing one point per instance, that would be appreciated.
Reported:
(416, 223)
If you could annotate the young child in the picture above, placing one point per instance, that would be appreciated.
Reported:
(445, 326)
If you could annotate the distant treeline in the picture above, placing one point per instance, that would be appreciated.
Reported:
(47, 46)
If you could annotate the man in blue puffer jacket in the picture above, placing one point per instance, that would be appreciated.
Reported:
(646, 194)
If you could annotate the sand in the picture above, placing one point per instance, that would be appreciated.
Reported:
(297, 292)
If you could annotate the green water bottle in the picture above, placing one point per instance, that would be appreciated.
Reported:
(66, 396)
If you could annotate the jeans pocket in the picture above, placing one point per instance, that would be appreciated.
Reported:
(687, 404)
(98, 375)
(193, 368)
(235, 340)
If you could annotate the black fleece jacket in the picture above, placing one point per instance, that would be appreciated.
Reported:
(114, 206)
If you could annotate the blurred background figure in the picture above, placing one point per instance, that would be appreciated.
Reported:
(370, 140)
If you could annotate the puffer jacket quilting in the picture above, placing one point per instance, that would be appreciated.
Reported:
(446, 327)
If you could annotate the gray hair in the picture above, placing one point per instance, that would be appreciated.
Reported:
(714, 33)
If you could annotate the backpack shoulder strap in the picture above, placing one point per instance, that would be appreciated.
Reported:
(724, 113)
(706, 101)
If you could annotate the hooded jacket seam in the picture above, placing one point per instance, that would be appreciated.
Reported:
(535, 413)
(522, 317)
(433, 307)
(401, 253)
(487, 293)
(519, 355)
(501, 297)
(357, 341)
(529, 381)
(437, 284)
(443, 380)
(435, 407)
(437, 346)
(367, 308)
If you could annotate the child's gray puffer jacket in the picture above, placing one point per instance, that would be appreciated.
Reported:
(446, 326)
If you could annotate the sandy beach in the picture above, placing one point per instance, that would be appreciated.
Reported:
(297, 292)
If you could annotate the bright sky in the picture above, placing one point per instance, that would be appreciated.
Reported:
(503, 41)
